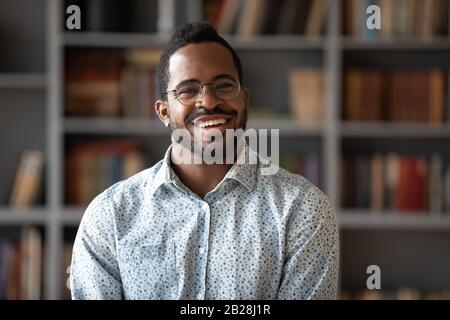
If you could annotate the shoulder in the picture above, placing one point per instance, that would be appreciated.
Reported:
(282, 181)
(300, 194)
(127, 192)
(131, 189)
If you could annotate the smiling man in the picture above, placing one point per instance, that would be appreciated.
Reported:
(189, 230)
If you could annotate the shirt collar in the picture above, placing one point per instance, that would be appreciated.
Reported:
(242, 171)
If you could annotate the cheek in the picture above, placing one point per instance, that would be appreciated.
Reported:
(240, 108)
(179, 114)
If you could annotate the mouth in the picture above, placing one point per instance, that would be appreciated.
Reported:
(212, 122)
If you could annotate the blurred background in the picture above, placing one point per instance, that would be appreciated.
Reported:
(364, 114)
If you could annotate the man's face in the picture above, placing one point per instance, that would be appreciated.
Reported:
(204, 62)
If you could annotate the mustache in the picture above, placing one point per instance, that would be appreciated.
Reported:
(205, 112)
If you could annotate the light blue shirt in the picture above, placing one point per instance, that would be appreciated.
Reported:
(253, 237)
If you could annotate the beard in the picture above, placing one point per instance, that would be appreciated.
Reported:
(197, 148)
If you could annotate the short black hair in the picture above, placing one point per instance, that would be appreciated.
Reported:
(191, 32)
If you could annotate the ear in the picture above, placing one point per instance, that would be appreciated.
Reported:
(246, 96)
(162, 110)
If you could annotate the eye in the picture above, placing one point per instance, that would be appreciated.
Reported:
(225, 87)
(189, 91)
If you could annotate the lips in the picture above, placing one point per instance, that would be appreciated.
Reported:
(211, 121)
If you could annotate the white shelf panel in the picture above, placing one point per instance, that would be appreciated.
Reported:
(432, 43)
(9, 216)
(154, 127)
(347, 219)
(71, 216)
(113, 126)
(133, 40)
(286, 126)
(384, 220)
(110, 39)
(394, 130)
(23, 81)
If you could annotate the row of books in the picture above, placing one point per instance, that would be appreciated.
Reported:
(28, 186)
(399, 18)
(307, 165)
(404, 293)
(21, 266)
(254, 17)
(92, 167)
(400, 95)
(405, 183)
(67, 259)
(110, 83)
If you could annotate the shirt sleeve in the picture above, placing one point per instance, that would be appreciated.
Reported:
(94, 270)
(312, 250)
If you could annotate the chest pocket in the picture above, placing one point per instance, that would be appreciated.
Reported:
(149, 272)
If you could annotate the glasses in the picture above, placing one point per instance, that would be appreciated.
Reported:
(190, 93)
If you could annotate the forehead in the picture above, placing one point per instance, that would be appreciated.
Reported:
(200, 61)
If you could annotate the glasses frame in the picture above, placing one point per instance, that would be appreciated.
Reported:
(202, 85)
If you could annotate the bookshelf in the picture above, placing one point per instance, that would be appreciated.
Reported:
(34, 84)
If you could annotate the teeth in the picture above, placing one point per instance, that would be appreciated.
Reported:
(213, 122)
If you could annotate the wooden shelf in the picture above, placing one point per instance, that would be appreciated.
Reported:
(23, 81)
(383, 220)
(9, 216)
(394, 130)
(112, 126)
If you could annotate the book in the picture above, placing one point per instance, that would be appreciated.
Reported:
(254, 17)
(93, 166)
(251, 22)
(67, 259)
(436, 180)
(93, 82)
(14, 279)
(387, 18)
(30, 264)
(436, 96)
(400, 182)
(377, 182)
(399, 96)
(316, 18)
(307, 165)
(306, 87)
(423, 19)
(447, 190)
(5, 254)
(28, 180)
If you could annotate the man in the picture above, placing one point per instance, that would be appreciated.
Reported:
(183, 230)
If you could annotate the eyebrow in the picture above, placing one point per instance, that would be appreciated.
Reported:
(193, 80)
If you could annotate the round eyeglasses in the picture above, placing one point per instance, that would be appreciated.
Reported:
(190, 93)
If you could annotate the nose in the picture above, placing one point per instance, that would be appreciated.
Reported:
(208, 98)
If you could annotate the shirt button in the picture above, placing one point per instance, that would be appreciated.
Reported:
(201, 250)
(200, 296)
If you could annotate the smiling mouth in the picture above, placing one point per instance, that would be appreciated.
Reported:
(210, 123)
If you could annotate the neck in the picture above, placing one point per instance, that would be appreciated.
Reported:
(200, 178)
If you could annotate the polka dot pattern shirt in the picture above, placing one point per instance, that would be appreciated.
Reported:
(253, 236)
